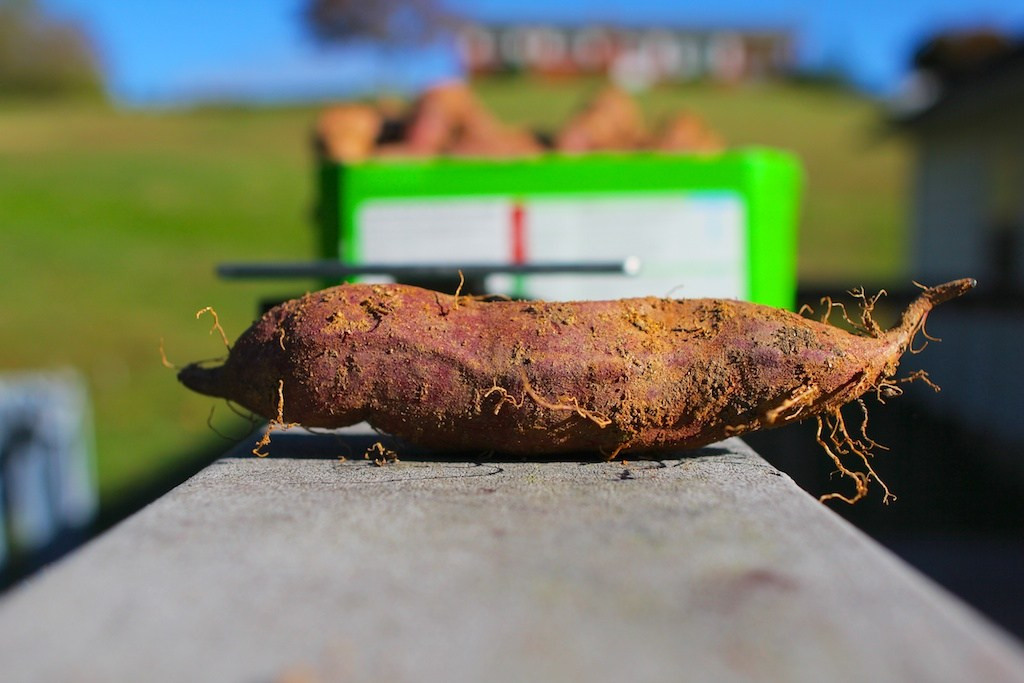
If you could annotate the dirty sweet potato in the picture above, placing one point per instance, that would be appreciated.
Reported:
(626, 376)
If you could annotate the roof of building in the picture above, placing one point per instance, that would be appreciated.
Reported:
(950, 95)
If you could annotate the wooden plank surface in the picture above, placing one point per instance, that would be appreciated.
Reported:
(707, 566)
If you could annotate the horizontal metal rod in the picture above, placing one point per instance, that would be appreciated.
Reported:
(399, 271)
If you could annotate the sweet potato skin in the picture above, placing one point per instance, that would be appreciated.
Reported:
(631, 375)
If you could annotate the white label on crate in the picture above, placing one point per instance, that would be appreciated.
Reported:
(461, 230)
(689, 244)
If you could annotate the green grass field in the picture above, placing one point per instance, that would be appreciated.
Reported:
(114, 221)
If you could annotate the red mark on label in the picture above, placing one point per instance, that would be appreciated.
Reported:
(518, 225)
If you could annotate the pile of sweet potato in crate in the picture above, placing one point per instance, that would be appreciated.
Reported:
(450, 120)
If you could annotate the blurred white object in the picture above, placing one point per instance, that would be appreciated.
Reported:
(47, 466)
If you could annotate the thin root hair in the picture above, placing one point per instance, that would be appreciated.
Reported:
(222, 435)
(458, 290)
(864, 427)
(275, 424)
(595, 417)
(216, 324)
(163, 357)
(920, 375)
(867, 306)
(248, 415)
(837, 443)
(505, 396)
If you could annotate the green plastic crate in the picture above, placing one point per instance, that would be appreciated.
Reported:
(702, 225)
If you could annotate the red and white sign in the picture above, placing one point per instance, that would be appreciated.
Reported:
(689, 244)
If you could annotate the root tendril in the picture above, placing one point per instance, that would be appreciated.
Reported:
(216, 324)
(275, 424)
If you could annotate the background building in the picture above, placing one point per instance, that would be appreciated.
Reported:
(968, 221)
(640, 55)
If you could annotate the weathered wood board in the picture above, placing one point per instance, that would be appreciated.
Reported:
(707, 566)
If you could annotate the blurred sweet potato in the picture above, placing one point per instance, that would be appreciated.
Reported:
(611, 121)
(448, 119)
(347, 132)
(687, 132)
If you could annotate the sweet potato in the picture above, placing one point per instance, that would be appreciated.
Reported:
(611, 121)
(687, 132)
(347, 132)
(633, 375)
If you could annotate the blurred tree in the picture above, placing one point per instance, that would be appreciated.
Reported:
(397, 22)
(43, 57)
(958, 56)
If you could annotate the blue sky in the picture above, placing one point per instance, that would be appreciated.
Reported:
(160, 51)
